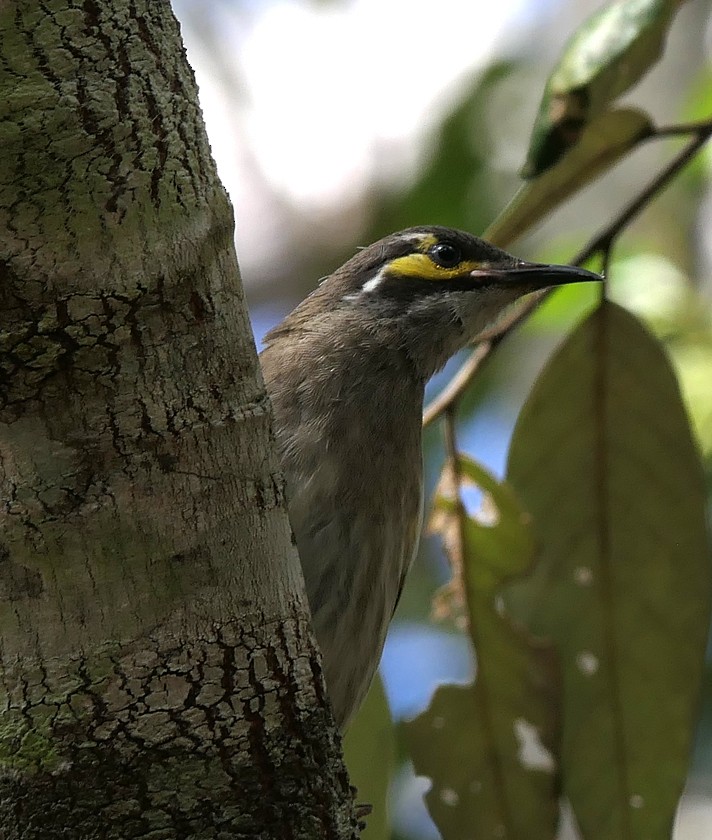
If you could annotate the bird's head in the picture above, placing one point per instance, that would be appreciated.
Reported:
(427, 290)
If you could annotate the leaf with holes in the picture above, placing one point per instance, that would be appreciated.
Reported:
(603, 143)
(603, 458)
(488, 746)
(609, 53)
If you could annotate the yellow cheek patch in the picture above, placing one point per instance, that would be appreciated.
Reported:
(422, 267)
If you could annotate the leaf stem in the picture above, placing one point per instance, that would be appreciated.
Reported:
(603, 241)
(458, 384)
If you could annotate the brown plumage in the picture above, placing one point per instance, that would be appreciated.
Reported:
(346, 372)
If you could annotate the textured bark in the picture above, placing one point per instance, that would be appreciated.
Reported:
(159, 677)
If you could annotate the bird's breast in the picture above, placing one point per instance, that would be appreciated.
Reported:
(356, 512)
(355, 554)
(349, 433)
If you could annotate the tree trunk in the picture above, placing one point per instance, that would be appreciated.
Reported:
(159, 676)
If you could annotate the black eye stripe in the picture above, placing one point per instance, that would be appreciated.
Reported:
(445, 254)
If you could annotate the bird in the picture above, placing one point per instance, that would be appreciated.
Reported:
(346, 372)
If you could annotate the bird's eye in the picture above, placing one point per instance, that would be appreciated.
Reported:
(445, 255)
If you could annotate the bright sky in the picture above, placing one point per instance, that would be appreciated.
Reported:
(336, 94)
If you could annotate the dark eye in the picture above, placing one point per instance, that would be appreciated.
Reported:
(445, 255)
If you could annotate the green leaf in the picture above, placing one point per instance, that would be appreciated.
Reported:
(369, 752)
(604, 142)
(609, 53)
(488, 746)
(603, 458)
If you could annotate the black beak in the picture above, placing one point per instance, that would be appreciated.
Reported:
(532, 276)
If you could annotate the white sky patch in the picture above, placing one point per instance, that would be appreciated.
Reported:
(488, 513)
(587, 662)
(311, 104)
(532, 753)
(335, 87)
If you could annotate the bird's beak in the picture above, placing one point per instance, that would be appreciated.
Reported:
(529, 276)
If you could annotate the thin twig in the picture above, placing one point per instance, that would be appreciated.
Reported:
(489, 340)
(456, 541)
(681, 129)
(452, 392)
(456, 547)
(600, 244)
(451, 446)
(460, 382)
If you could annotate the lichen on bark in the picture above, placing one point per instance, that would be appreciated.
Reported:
(173, 737)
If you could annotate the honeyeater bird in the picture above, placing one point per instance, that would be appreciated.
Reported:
(346, 371)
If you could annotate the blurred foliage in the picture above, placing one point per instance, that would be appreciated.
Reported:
(631, 637)
(602, 142)
(369, 751)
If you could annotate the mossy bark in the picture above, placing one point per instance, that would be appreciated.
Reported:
(159, 678)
